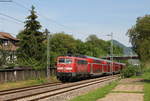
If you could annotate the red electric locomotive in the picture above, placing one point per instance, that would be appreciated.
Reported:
(70, 67)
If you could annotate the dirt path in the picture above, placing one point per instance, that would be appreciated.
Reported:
(127, 90)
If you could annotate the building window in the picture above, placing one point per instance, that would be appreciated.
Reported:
(5, 43)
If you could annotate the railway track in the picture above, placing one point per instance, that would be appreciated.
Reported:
(21, 89)
(42, 92)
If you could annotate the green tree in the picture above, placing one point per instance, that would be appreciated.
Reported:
(140, 37)
(81, 47)
(31, 39)
(61, 44)
(3, 55)
(97, 47)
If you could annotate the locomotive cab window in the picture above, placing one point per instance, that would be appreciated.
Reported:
(63, 60)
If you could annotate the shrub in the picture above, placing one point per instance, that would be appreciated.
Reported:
(130, 70)
(30, 62)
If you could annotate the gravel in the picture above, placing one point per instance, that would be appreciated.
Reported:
(71, 94)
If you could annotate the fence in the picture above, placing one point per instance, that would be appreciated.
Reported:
(9, 75)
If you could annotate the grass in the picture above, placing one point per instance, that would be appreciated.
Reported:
(96, 94)
(147, 91)
(146, 77)
(18, 84)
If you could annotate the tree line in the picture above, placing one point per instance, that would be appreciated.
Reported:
(32, 49)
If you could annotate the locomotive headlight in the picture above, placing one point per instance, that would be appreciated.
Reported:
(59, 68)
(68, 68)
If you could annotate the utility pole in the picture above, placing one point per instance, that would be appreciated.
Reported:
(48, 53)
(111, 51)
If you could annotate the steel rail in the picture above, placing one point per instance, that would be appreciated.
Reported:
(75, 88)
(15, 90)
(66, 86)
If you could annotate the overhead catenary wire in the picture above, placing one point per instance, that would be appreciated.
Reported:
(5, 0)
(9, 19)
(2, 21)
(49, 19)
(21, 5)
(13, 18)
(24, 7)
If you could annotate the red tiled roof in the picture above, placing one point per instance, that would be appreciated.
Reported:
(5, 35)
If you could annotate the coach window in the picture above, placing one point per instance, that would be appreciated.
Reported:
(96, 61)
(85, 62)
(79, 61)
(82, 62)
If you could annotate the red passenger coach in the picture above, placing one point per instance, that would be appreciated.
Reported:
(70, 67)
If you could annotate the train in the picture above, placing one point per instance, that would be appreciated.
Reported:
(75, 67)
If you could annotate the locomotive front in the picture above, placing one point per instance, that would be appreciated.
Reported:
(65, 68)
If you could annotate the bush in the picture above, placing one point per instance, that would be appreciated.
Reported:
(30, 62)
(130, 70)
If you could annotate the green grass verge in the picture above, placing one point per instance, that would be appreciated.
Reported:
(146, 77)
(147, 91)
(96, 94)
(146, 82)
(17, 84)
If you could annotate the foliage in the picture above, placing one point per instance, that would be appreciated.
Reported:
(97, 47)
(31, 62)
(5, 56)
(146, 74)
(117, 50)
(140, 37)
(63, 44)
(31, 45)
(130, 70)
(81, 47)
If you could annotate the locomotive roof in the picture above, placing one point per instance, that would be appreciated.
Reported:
(98, 58)
(70, 57)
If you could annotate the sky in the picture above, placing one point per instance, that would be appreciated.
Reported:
(79, 18)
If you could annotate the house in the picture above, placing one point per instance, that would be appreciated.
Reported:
(8, 42)
(8, 45)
